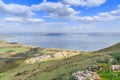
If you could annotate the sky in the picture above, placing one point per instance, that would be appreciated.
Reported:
(65, 16)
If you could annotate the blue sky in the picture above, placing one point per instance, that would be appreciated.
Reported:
(75, 16)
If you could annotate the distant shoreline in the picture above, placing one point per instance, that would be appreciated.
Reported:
(4, 36)
(29, 46)
(67, 41)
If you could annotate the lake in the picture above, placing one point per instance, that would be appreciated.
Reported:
(73, 41)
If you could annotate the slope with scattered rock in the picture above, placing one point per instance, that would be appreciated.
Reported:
(58, 64)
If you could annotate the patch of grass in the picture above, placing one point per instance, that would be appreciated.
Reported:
(42, 52)
(17, 50)
(10, 64)
(109, 75)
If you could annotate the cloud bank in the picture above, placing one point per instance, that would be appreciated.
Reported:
(23, 15)
(15, 10)
(84, 3)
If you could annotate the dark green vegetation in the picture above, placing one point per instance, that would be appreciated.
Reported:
(58, 67)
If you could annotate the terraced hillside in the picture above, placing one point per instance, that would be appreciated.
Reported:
(20, 62)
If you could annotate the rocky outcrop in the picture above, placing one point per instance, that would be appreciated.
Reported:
(38, 59)
(57, 55)
(64, 54)
(84, 75)
(116, 67)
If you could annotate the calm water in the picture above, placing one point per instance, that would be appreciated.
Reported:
(88, 41)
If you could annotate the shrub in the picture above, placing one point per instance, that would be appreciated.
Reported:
(117, 56)
(18, 74)
(105, 60)
(114, 62)
(21, 73)
(92, 67)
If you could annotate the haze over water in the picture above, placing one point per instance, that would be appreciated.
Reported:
(76, 41)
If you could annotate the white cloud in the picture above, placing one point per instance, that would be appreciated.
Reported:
(15, 10)
(84, 3)
(118, 6)
(44, 0)
(103, 16)
(22, 16)
(65, 11)
(22, 20)
(57, 10)
(84, 26)
(20, 24)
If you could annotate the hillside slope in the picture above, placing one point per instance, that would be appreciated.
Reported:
(15, 68)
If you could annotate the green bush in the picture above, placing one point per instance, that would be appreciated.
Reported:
(109, 75)
(114, 62)
(21, 73)
(105, 60)
(18, 74)
(116, 56)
